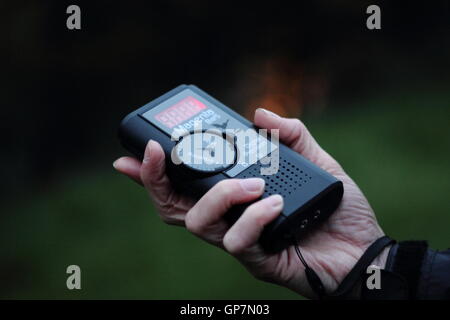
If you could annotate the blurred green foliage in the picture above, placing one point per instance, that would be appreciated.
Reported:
(396, 148)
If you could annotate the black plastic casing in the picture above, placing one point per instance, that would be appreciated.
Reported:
(310, 194)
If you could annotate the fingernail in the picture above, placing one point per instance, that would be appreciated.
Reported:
(270, 113)
(275, 201)
(115, 164)
(147, 153)
(252, 184)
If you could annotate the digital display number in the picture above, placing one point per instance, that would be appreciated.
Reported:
(180, 112)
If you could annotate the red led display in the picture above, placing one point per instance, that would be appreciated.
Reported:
(180, 112)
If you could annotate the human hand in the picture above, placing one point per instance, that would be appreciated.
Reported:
(331, 250)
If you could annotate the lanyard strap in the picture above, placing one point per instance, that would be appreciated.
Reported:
(352, 277)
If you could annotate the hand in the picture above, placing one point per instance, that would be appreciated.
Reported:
(331, 250)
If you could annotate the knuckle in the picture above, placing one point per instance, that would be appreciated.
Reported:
(224, 185)
(296, 130)
(157, 176)
(233, 246)
(254, 213)
(226, 188)
(192, 224)
(259, 220)
(297, 126)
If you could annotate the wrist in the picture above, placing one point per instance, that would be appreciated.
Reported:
(376, 254)
(380, 261)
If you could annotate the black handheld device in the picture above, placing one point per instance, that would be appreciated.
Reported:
(195, 131)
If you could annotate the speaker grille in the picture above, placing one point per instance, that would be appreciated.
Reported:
(285, 182)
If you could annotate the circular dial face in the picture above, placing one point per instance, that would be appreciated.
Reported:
(205, 152)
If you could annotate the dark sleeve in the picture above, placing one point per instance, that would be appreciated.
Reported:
(433, 281)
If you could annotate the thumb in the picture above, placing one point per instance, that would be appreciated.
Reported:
(294, 134)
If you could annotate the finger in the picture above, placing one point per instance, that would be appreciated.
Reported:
(130, 167)
(294, 133)
(204, 219)
(153, 174)
(243, 236)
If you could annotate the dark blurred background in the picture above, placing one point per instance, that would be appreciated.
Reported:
(378, 101)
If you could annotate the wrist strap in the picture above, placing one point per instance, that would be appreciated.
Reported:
(352, 277)
(360, 267)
